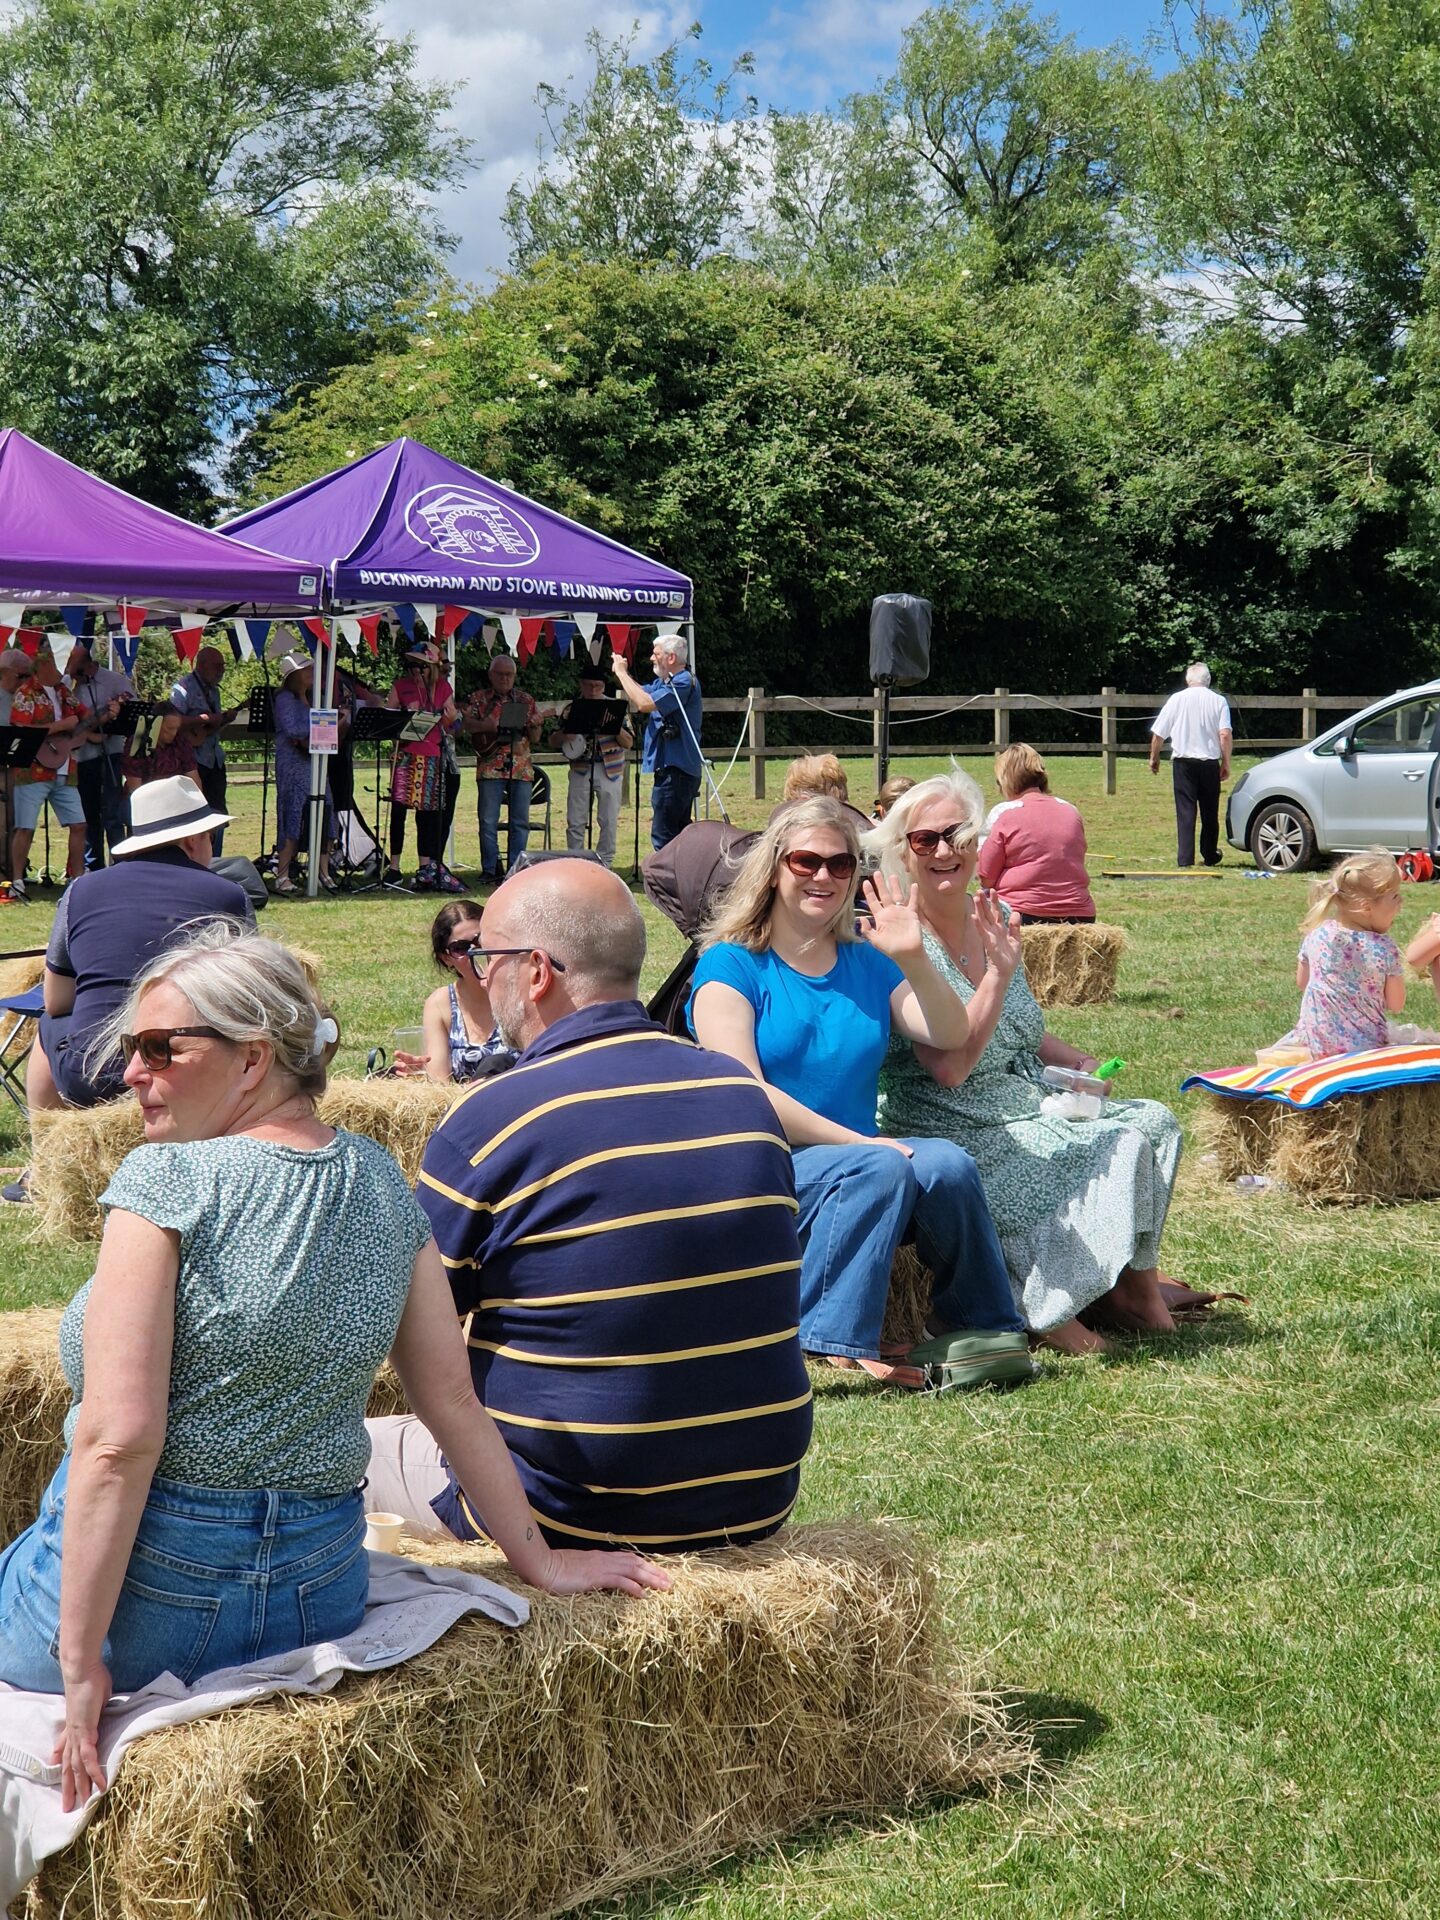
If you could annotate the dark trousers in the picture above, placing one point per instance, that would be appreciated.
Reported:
(1197, 788)
(212, 785)
(429, 839)
(672, 801)
(102, 795)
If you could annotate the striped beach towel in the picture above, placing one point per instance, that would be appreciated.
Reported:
(1322, 1080)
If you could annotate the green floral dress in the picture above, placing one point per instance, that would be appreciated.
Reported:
(1074, 1201)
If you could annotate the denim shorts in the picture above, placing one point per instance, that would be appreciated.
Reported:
(217, 1578)
(30, 798)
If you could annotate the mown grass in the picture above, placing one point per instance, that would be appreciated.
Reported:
(1202, 1568)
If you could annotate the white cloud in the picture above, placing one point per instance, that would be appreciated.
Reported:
(501, 63)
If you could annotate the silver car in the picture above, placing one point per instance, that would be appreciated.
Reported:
(1370, 782)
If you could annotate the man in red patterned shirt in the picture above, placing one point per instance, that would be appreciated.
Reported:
(46, 702)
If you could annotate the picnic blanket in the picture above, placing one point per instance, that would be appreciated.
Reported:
(1304, 1088)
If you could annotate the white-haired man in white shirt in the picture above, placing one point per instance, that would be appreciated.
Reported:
(1196, 722)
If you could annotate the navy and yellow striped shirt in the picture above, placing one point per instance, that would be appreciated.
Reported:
(617, 1218)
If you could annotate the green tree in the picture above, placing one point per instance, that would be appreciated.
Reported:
(652, 162)
(202, 207)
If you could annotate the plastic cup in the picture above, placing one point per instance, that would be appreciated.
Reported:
(382, 1532)
(409, 1039)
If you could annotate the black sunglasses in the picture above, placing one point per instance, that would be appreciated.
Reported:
(480, 957)
(927, 839)
(153, 1046)
(805, 865)
(457, 949)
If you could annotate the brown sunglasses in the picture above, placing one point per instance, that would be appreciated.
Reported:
(806, 865)
(153, 1046)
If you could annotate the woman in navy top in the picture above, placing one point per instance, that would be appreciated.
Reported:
(784, 986)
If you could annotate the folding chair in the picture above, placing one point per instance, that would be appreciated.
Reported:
(20, 1010)
(540, 799)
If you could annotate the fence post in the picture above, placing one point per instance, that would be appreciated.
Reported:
(757, 743)
(1002, 721)
(1109, 735)
(1307, 714)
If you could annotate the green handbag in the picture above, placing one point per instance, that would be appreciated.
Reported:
(953, 1361)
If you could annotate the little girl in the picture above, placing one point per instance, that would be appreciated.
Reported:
(1350, 972)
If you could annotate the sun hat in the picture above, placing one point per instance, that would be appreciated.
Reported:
(292, 663)
(163, 811)
(424, 650)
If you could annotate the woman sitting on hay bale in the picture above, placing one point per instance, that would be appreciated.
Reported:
(1079, 1204)
(462, 1041)
(255, 1269)
(1034, 850)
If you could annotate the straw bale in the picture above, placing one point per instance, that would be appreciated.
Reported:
(1359, 1150)
(76, 1151)
(34, 1400)
(1072, 966)
(18, 976)
(507, 1774)
(911, 1287)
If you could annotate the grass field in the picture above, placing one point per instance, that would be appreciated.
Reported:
(1202, 1569)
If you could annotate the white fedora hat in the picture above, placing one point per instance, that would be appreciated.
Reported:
(163, 811)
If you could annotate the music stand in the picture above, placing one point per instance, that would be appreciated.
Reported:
(18, 748)
(596, 719)
(379, 724)
(260, 718)
(128, 720)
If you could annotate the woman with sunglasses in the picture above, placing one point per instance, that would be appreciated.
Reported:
(462, 1041)
(784, 985)
(1079, 1204)
(256, 1267)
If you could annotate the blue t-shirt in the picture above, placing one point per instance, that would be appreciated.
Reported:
(819, 1038)
(674, 727)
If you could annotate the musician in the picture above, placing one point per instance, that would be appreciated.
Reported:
(197, 696)
(46, 702)
(597, 760)
(96, 760)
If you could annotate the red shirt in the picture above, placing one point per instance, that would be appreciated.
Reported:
(1034, 857)
(33, 707)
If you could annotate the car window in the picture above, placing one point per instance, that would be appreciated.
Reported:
(1411, 728)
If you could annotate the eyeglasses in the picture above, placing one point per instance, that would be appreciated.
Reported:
(807, 866)
(927, 839)
(153, 1046)
(480, 958)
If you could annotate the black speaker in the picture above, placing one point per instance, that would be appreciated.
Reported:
(899, 640)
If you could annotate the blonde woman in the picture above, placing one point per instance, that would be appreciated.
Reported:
(1079, 1205)
(784, 986)
(1033, 854)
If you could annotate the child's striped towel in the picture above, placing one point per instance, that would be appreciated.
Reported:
(1322, 1080)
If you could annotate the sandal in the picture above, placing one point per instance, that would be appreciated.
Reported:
(284, 884)
(885, 1373)
(1186, 1304)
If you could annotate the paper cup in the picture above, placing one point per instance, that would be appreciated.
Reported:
(382, 1532)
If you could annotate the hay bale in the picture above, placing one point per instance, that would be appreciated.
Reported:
(75, 1151)
(1072, 966)
(507, 1774)
(1363, 1149)
(18, 976)
(912, 1286)
(34, 1400)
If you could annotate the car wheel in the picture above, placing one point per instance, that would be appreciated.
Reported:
(1282, 839)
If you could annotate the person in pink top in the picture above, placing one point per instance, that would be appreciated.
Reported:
(1033, 854)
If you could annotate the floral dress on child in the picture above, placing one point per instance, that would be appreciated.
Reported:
(1074, 1201)
(1343, 1009)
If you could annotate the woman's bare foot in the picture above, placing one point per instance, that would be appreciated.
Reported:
(1070, 1337)
(1134, 1304)
(886, 1373)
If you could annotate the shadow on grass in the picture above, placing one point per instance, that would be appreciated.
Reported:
(1059, 1729)
(1232, 1328)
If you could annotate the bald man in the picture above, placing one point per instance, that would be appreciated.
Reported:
(197, 696)
(617, 1218)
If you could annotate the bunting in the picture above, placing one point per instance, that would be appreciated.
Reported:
(28, 640)
(530, 631)
(75, 618)
(7, 634)
(586, 623)
(278, 643)
(133, 619)
(405, 614)
(126, 647)
(622, 638)
(470, 628)
(318, 631)
(61, 643)
(349, 631)
(369, 625)
(562, 637)
(510, 624)
(241, 644)
(12, 613)
(187, 640)
(426, 611)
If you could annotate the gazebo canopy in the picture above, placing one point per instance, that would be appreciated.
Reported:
(404, 523)
(68, 538)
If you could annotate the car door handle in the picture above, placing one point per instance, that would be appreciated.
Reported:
(1418, 774)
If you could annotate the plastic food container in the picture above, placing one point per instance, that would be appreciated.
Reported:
(1291, 1056)
(1082, 1094)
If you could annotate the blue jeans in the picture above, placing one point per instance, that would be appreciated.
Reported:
(672, 801)
(516, 794)
(216, 1578)
(855, 1204)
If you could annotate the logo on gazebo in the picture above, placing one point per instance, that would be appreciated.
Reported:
(464, 524)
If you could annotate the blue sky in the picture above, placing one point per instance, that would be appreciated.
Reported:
(808, 54)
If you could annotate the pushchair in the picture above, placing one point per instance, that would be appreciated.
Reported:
(684, 879)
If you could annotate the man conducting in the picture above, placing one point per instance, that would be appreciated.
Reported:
(672, 733)
(617, 1218)
(1196, 722)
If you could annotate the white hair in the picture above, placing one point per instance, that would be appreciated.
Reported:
(1198, 675)
(676, 645)
(886, 842)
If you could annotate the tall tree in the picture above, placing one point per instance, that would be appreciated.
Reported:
(652, 161)
(203, 205)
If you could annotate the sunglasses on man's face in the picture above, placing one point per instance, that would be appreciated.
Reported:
(153, 1046)
(806, 865)
(927, 839)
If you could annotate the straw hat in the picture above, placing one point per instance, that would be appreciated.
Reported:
(164, 811)
(424, 650)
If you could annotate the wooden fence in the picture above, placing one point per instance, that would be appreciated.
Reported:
(1105, 710)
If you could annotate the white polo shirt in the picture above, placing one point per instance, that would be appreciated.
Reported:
(1192, 721)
